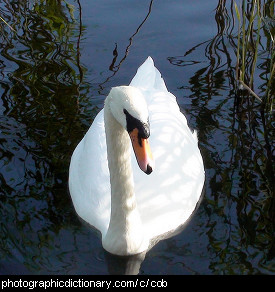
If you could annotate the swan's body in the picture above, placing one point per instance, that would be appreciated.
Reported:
(129, 207)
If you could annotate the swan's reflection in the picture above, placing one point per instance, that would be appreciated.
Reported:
(124, 265)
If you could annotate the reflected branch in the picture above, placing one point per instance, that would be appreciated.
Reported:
(114, 67)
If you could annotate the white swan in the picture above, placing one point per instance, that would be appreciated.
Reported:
(107, 187)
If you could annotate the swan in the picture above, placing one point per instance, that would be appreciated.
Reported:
(135, 194)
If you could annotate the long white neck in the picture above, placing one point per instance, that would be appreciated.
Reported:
(125, 233)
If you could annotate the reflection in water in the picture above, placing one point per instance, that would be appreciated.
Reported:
(236, 134)
(39, 93)
(113, 67)
(124, 265)
(45, 109)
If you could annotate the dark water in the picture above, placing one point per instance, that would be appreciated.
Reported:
(57, 67)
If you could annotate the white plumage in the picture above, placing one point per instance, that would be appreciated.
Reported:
(161, 201)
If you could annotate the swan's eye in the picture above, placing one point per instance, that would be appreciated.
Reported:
(134, 123)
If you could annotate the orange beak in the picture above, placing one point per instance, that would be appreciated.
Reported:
(142, 151)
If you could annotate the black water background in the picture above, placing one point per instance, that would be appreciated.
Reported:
(55, 72)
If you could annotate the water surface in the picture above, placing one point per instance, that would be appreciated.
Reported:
(57, 67)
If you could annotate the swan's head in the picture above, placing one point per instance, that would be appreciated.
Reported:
(129, 108)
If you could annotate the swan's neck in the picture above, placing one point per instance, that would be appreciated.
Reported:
(125, 233)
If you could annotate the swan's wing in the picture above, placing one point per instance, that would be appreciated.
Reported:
(148, 77)
(91, 195)
(168, 196)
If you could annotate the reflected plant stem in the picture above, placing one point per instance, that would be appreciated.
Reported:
(6, 23)
(78, 55)
(250, 90)
(78, 44)
(114, 68)
(131, 38)
(247, 46)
